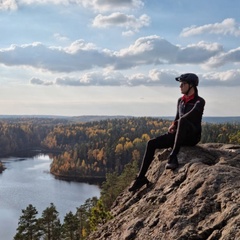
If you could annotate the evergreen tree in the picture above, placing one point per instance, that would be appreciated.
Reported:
(70, 227)
(115, 184)
(50, 223)
(28, 227)
(99, 215)
(83, 215)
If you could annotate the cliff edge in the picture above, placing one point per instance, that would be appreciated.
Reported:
(200, 200)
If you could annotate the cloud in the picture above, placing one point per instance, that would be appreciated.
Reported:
(105, 78)
(97, 5)
(37, 81)
(145, 51)
(156, 51)
(198, 53)
(226, 27)
(60, 37)
(112, 5)
(155, 77)
(80, 56)
(8, 5)
(227, 78)
(129, 22)
(232, 56)
(114, 78)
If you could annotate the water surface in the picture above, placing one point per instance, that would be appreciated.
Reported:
(28, 181)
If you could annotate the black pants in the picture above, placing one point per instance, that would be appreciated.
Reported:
(186, 135)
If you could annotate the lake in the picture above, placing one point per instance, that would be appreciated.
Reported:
(28, 181)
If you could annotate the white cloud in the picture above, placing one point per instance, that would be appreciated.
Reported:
(112, 5)
(156, 50)
(232, 56)
(79, 56)
(60, 37)
(97, 5)
(155, 77)
(129, 22)
(113, 78)
(105, 78)
(227, 78)
(145, 51)
(227, 27)
(8, 5)
(198, 53)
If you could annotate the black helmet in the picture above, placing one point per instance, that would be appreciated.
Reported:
(190, 78)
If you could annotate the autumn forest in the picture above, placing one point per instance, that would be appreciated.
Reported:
(87, 151)
(107, 151)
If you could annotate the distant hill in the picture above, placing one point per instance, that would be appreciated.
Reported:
(91, 118)
(82, 118)
(233, 119)
(221, 119)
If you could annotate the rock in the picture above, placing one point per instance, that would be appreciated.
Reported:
(200, 200)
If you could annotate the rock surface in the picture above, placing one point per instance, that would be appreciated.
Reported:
(200, 200)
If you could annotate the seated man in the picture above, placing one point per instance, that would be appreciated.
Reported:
(185, 129)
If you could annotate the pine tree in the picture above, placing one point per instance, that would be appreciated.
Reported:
(28, 227)
(83, 215)
(70, 227)
(99, 215)
(50, 223)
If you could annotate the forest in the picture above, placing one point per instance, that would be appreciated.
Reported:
(109, 150)
(90, 150)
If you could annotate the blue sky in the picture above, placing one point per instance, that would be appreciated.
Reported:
(112, 57)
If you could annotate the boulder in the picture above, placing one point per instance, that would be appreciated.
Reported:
(200, 200)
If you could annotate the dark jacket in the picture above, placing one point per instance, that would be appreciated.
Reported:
(192, 111)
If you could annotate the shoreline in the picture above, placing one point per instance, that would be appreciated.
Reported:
(74, 178)
(86, 179)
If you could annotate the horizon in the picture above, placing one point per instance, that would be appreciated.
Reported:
(104, 117)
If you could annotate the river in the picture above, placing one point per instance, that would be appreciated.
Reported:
(28, 181)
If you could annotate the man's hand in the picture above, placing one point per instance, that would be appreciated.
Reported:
(172, 128)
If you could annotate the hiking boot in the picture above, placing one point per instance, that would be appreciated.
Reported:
(172, 162)
(139, 182)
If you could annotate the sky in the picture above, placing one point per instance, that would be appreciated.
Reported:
(117, 57)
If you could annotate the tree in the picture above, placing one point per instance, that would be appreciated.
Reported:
(110, 189)
(70, 227)
(99, 215)
(28, 228)
(83, 214)
(50, 223)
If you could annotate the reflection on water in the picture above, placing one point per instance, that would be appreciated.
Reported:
(28, 181)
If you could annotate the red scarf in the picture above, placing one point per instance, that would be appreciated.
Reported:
(186, 98)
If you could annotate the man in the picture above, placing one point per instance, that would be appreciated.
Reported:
(184, 131)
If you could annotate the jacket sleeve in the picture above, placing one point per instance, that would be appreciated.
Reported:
(177, 113)
(196, 111)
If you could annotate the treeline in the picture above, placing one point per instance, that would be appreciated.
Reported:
(94, 149)
(49, 226)
(17, 135)
(90, 150)
(221, 133)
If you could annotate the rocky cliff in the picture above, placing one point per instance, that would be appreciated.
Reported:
(200, 200)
